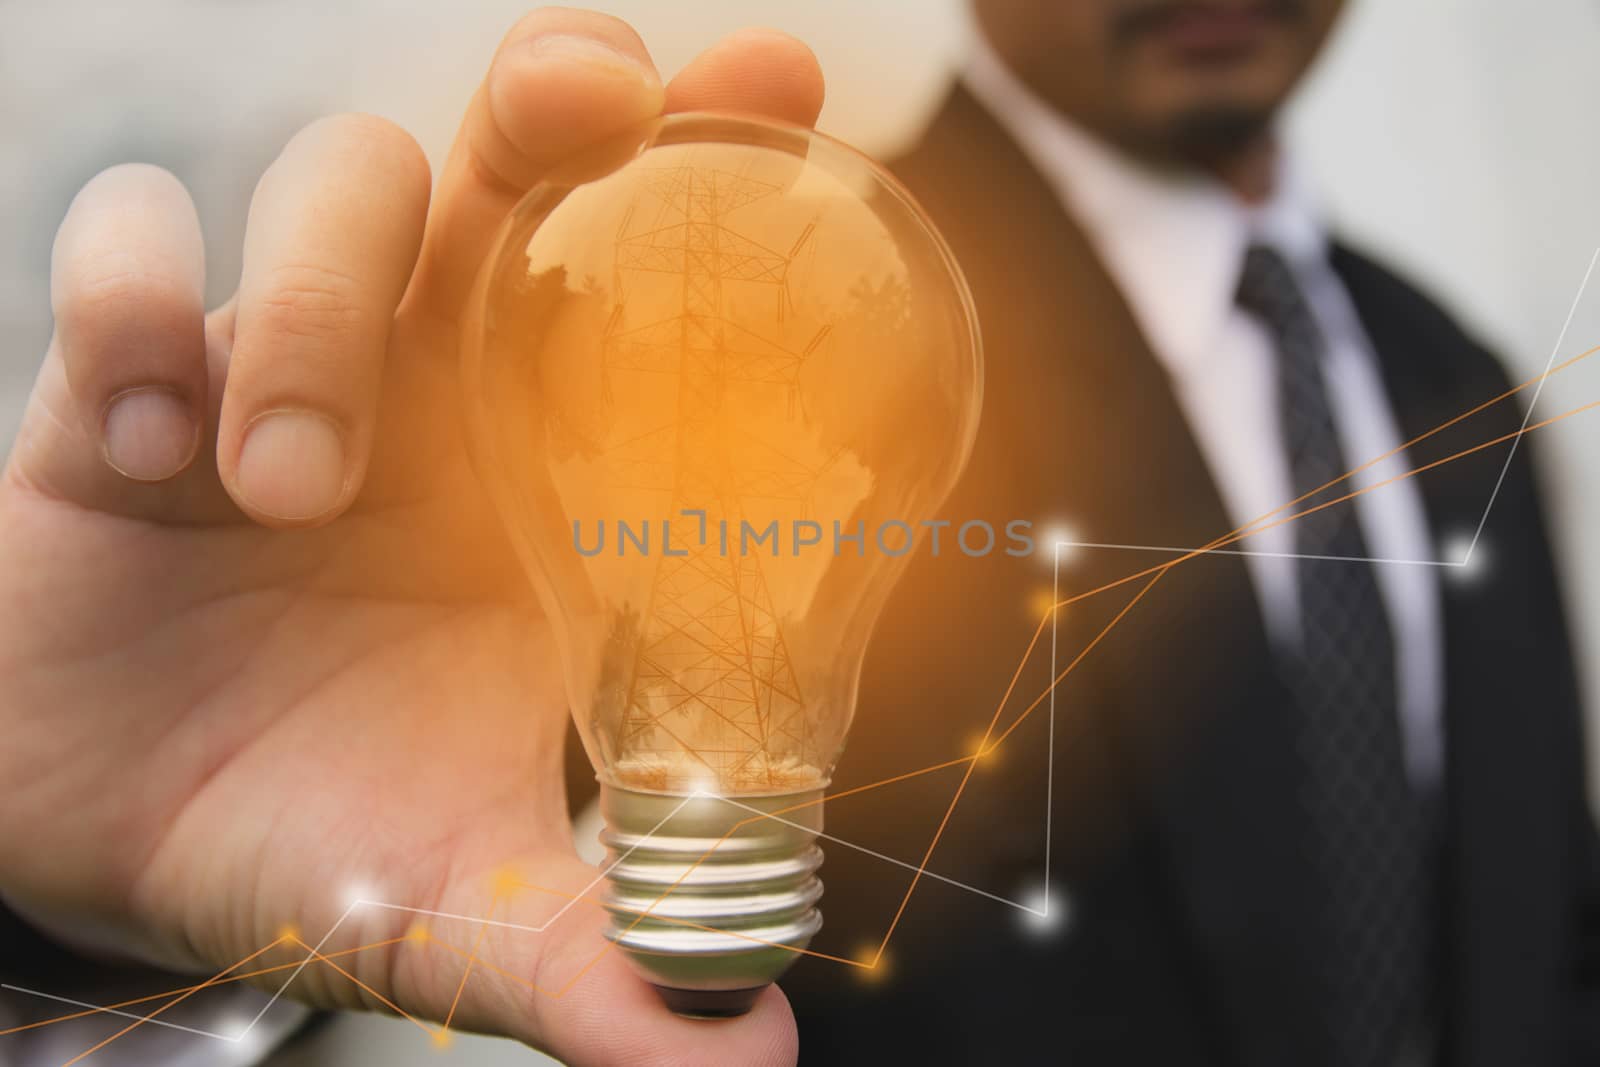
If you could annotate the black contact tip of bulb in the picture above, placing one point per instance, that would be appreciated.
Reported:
(709, 1003)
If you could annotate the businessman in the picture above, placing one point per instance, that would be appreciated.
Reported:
(1308, 807)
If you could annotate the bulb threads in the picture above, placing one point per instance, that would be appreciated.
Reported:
(709, 899)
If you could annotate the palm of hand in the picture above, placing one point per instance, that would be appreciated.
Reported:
(261, 720)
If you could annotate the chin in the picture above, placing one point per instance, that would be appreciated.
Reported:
(1206, 114)
(1215, 132)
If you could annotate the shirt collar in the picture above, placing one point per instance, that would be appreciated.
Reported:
(1174, 242)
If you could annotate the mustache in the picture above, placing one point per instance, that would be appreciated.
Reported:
(1136, 19)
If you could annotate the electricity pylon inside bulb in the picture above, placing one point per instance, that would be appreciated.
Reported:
(719, 373)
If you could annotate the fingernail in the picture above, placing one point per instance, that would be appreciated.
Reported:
(149, 434)
(292, 466)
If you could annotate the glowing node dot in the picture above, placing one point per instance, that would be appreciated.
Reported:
(874, 964)
(704, 786)
(242, 1032)
(418, 934)
(1058, 542)
(1471, 560)
(442, 1038)
(288, 932)
(1042, 603)
(506, 882)
(358, 894)
(1047, 914)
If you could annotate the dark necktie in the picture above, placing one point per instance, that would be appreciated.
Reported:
(1368, 833)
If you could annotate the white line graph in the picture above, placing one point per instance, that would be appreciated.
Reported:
(1042, 912)
(1166, 549)
(484, 921)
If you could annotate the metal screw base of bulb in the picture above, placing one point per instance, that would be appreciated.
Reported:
(710, 911)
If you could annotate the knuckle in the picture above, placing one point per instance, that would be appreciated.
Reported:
(118, 298)
(488, 168)
(309, 303)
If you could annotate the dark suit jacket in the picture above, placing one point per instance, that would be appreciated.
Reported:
(1190, 933)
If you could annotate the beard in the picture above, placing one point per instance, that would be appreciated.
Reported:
(1213, 133)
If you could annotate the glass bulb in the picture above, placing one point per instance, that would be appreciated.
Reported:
(719, 372)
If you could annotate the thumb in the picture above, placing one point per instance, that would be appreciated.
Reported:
(519, 950)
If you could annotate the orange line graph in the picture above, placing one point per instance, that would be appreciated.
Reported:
(173, 1003)
(990, 742)
(1161, 569)
(136, 1001)
(1155, 573)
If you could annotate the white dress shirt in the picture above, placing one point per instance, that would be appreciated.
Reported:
(1175, 246)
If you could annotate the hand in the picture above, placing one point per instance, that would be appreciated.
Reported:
(260, 635)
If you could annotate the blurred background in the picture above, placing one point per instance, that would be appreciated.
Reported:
(1454, 138)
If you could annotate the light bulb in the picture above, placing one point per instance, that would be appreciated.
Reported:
(719, 374)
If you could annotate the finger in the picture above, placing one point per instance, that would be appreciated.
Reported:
(551, 979)
(330, 244)
(766, 72)
(120, 401)
(561, 80)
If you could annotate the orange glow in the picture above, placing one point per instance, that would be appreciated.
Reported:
(868, 961)
(749, 391)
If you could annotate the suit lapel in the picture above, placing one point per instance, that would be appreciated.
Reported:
(1081, 422)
